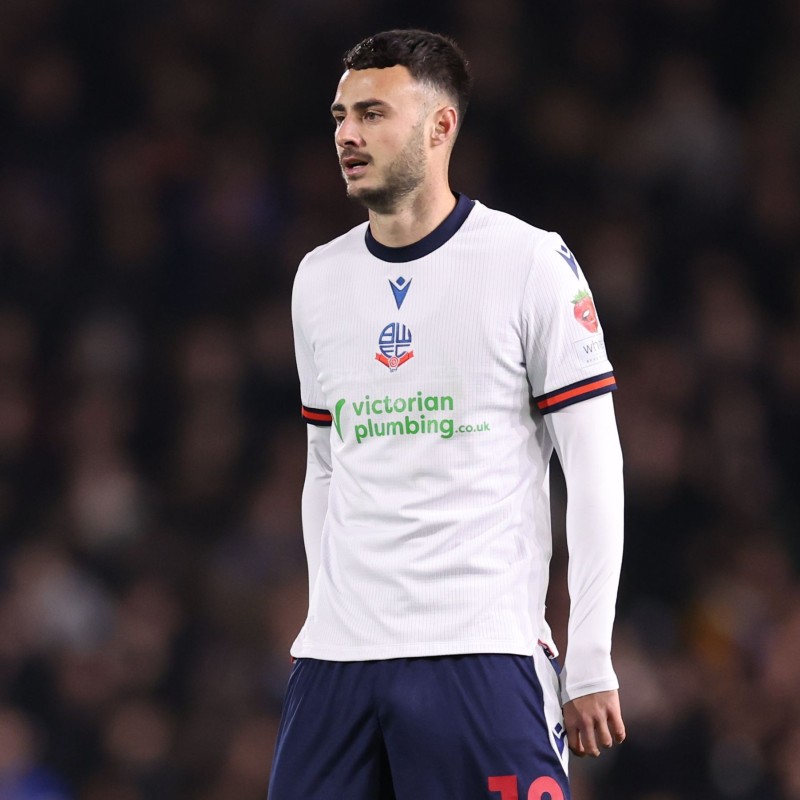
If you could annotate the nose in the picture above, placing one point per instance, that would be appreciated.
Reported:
(348, 133)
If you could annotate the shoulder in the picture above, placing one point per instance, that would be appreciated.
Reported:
(533, 251)
(331, 253)
(507, 233)
(543, 254)
(486, 218)
(322, 269)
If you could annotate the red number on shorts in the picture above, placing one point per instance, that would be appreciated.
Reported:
(506, 785)
(541, 787)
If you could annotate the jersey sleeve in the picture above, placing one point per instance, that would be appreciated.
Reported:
(313, 405)
(563, 339)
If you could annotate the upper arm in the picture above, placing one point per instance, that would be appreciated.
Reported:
(314, 407)
(586, 440)
(564, 345)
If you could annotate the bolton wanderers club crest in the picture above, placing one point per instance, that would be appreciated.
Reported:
(394, 343)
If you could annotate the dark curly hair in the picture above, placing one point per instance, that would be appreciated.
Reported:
(430, 58)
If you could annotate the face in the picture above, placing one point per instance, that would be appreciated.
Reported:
(380, 117)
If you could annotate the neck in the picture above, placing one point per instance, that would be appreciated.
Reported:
(413, 219)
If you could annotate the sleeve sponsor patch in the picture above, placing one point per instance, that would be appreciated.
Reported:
(591, 350)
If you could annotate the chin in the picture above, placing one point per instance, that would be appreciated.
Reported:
(380, 199)
(354, 189)
(373, 199)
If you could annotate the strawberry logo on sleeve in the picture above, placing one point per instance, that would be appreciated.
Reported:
(584, 311)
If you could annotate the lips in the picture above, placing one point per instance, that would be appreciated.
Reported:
(353, 165)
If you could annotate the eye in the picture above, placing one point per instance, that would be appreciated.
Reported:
(371, 116)
(337, 119)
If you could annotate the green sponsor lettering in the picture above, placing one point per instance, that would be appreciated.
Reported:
(337, 413)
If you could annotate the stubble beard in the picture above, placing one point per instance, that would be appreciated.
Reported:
(402, 177)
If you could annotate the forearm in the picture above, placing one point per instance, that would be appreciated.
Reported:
(587, 443)
(315, 497)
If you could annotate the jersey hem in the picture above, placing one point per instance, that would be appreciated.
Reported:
(420, 650)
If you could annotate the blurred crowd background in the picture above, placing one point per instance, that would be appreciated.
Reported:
(164, 165)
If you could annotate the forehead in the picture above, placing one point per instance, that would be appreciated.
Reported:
(393, 85)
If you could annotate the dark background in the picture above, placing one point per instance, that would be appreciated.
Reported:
(165, 164)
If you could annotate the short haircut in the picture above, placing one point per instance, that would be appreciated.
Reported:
(430, 58)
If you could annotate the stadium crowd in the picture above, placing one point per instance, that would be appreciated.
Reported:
(163, 168)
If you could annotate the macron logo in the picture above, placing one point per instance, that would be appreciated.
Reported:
(569, 258)
(400, 289)
(559, 733)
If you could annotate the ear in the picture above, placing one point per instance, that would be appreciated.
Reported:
(445, 122)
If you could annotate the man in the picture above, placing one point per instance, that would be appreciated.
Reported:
(443, 349)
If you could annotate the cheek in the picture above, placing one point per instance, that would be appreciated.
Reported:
(385, 143)
(389, 141)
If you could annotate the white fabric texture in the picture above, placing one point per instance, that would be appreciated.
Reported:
(426, 506)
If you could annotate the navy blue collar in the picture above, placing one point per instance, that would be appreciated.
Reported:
(433, 241)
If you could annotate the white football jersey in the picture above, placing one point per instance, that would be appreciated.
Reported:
(434, 365)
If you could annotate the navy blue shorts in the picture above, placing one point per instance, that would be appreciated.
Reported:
(467, 727)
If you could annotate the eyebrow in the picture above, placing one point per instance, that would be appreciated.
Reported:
(361, 105)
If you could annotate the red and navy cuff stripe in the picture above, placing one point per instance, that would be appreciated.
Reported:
(317, 416)
(575, 392)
